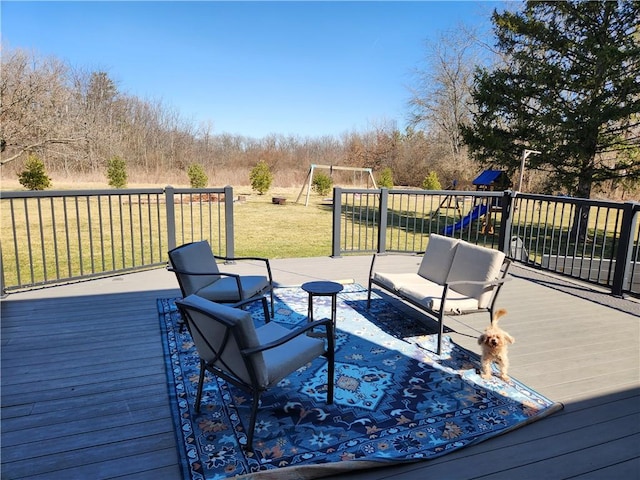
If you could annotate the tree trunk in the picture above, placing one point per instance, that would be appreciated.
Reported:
(581, 216)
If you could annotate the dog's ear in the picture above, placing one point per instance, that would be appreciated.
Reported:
(481, 339)
(500, 313)
(509, 338)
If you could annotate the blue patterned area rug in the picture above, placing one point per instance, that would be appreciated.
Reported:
(395, 400)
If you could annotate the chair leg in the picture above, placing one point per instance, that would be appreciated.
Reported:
(330, 376)
(440, 331)
(330, 355)
(200, 384)
(265, 308)
(369, 296)
(273, 312)
(252, 421)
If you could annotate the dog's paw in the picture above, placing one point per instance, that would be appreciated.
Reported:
(505, 378)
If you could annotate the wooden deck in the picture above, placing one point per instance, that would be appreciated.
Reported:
(84, 392)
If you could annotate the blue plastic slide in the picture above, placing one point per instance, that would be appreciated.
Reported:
(476, 213)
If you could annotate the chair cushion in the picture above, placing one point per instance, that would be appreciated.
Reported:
(213, 325)
(225, 290)
(475, 263)
(194, 257)
(286, 358)
(431, 298)
(438, 257)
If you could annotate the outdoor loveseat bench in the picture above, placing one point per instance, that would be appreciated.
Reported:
(454, 277)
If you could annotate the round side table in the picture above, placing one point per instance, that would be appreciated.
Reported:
(323, 289)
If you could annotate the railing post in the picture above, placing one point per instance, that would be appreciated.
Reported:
(2, 292)
(630, 214)
(228, 221)
(382, 221)
(504, 239)
(337, 217)
(171, 217)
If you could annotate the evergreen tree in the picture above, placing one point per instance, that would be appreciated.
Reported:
(431, 182)
(117, 172)
(322, 183)
(386, 178)
(34, 176)
(569, 88)
(261, 177)
(197, 177)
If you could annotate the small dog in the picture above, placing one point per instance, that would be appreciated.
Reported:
(494, 343)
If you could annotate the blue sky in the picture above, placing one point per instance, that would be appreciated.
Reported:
(307, 69)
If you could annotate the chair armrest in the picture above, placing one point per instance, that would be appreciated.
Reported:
(231, 259)
(293, 334)
(259, 259)
(498, 281)
(375, 256)
(184, 272)
(219, 274)
(246, 301)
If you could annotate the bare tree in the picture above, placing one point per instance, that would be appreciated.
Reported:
(34, 101)
(441, 99)
(76, 120)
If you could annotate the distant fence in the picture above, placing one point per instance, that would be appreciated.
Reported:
(57, 236)
(595, 241)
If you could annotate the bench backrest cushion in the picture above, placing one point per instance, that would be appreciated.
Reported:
(437, 259)
(475, 263)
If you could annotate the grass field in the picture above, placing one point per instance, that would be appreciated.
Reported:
(46, 239)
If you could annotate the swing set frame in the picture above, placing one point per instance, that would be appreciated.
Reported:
(309, 179)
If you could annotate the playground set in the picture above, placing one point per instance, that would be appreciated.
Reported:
(489, 180)
(483, 208)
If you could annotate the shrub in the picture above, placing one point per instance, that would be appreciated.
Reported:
(261, 177)
(34, 177)
(386, 178)
(197, 177)
(431, 182)
(117, 172)
(322, 183)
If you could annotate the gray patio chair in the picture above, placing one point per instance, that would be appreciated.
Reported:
(254, 359)
(197, 271)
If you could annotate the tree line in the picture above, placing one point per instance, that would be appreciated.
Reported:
(76, 121)
(559, 78)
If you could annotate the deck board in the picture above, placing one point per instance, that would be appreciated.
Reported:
(84, 391)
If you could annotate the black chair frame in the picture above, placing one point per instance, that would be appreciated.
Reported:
(253, 388)
(241, 300)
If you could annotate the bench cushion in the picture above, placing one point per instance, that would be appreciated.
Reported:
(475, 263)
(431, 298)
(395, 281)
(437, 259)
(425, 292)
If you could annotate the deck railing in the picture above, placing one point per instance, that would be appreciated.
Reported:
(54, 237)
(595, 241)
(51, 237)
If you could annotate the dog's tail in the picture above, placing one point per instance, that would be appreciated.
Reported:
(497, 315)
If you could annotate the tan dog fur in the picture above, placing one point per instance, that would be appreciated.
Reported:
(494, 342)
